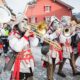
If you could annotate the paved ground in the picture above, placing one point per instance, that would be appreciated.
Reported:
(40, 73)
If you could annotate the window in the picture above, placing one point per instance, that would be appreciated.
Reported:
(47, 19)
(33, 19)
(47, 8)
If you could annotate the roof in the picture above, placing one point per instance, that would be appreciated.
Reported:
(65, 4)
(61, 2)
(37, 8)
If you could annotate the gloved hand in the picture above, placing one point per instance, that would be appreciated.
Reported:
(27, 33)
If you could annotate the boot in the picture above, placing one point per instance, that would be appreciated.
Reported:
(77, 73)
(72, 63)
(60, 73)
(30, 78)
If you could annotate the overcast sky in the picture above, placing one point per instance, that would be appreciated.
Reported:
(19, 5)
(75, 4)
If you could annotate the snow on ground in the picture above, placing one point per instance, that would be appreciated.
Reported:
(40, 73)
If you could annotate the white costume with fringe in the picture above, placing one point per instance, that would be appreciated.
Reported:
(53, 53)
(66, 45)
(21, 44)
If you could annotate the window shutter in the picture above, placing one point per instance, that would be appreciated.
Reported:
(29, 20)
(36, 19)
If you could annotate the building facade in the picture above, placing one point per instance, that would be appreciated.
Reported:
(42, 10)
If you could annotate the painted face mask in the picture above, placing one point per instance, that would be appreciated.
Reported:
(23, 26)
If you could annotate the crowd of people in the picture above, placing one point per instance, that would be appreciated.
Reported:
(16, 40)
(68, 37)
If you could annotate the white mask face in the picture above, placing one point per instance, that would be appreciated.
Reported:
(23, 26)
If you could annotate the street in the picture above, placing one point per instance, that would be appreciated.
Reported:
(40, 72)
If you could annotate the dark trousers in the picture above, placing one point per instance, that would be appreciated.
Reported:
(76, 56)
(25, 76)
(6, 45)
(72, 64)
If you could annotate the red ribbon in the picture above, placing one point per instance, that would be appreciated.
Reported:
(14, 32)
(17, 63)
(1, 45)
(67, 43)
(59, 51)
(31, 34)
(60, 55)
(26, 37)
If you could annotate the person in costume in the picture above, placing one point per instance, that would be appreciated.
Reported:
(53, 25)
(51, 55)
(4, 36)
(75, 42)
(65, 40)
(24, 63)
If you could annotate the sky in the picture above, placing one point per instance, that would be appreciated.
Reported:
(19, 5)
(75, 4)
